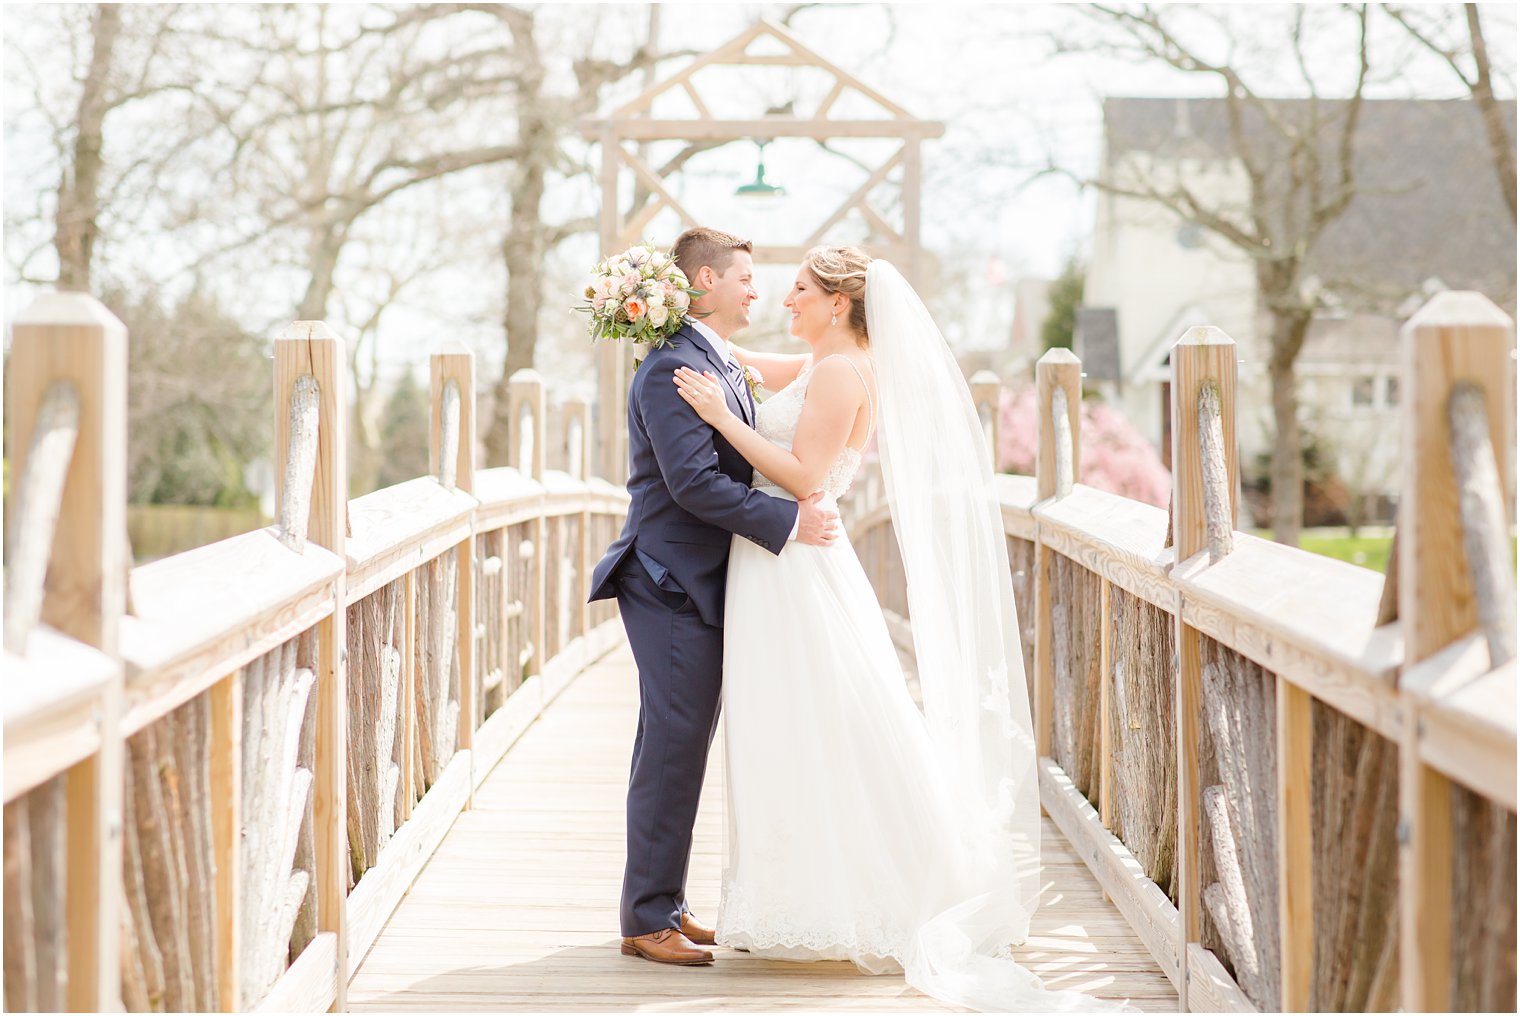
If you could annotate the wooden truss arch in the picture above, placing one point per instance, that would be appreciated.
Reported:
(635, 121)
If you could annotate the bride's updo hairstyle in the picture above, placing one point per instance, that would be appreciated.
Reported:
(843, 270)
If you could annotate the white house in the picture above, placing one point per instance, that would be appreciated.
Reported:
(1428, 214)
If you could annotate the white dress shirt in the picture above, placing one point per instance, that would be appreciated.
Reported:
(725, 352)
(719, 343)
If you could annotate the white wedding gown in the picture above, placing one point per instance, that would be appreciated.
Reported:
(847, 837)
(833, 792)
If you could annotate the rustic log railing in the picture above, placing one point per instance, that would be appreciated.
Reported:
(1298, 796)
(214, 800)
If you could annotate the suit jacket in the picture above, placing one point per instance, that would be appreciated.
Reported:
(689, 487)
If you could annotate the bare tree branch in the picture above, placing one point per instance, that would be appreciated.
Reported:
(1479, 84)
(1499, 142)
(1298, 157)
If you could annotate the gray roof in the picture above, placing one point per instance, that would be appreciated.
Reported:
(1360, 339)
(1095, 340)
(1428, 203)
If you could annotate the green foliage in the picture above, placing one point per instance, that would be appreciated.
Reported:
(1060, 323)
(199, 402)
(404, 433)
(1326, 500)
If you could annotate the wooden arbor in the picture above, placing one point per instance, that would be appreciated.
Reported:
(646, 119)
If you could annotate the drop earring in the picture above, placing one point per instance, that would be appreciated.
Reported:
(834, 320)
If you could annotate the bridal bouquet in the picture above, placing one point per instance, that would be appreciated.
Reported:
(638, 295)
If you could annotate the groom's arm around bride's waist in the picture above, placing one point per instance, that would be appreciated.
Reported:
(685, 450)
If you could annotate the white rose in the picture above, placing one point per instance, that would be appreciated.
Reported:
(658, 314)
(682, 301)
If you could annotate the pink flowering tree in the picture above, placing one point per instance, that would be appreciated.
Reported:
(1114, 456)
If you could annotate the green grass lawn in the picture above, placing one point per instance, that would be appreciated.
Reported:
(1370, 549)
(1367, 551)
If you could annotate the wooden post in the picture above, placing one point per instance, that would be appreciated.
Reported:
(912, 199)
(1189, 726)
(577, 439)
(73, 339)
(611, 408)
(1203, 357)
(451, 456)
(986, 393)
(95, 789)
(611, 357)
(455, 363)
(227, 829)
(1105, 709)
(1456, 337)
(577, 461)
(1295, 843)
(408, 789)
(1057, 369)
(526, 455)
(529, 419)
(311, 348)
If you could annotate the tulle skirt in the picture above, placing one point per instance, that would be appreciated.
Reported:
(842, 840)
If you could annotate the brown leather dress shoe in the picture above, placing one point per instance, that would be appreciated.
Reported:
(666, 946)
(696, 932)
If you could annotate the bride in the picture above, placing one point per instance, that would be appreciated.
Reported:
(860, 828)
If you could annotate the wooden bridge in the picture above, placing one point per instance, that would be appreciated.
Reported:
(373, 756)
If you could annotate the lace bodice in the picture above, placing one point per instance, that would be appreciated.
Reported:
(776, 420)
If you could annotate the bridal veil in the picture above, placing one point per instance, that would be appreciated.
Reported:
(948, 523)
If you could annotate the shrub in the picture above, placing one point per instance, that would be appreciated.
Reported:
(1114, 457)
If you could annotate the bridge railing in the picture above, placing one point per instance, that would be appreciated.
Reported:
(217, 793)
(1296, 782)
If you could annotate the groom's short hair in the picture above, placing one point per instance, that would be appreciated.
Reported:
(702, 246)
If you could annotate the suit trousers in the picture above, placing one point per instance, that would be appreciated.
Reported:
(680, 661)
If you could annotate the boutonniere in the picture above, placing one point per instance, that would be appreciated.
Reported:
(755, 380)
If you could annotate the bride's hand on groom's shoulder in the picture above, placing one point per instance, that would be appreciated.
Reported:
(704, 393)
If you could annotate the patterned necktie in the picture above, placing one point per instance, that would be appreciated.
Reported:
(736, 377)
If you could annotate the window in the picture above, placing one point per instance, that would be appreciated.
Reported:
(1189, 236)
(1362, 391)
(1391, 392)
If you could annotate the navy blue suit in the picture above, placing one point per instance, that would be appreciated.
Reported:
(690, 490)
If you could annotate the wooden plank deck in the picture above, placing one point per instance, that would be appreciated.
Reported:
(517, 910)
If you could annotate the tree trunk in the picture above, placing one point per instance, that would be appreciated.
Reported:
(525, 246)
(326, 244)
(365, 453)
(1499, 141)
(1355, 511)
(1287, 458)
(524, 256)
(79, 190)
(1290, 324)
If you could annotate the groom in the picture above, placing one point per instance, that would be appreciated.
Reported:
(690, 490)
